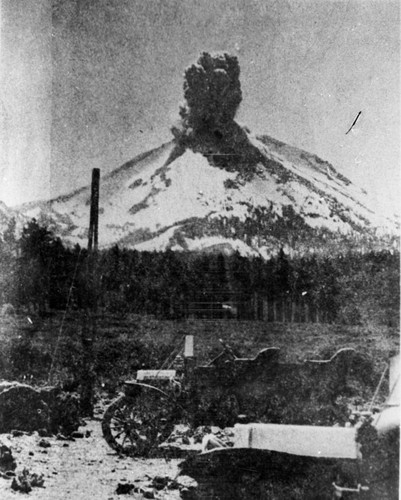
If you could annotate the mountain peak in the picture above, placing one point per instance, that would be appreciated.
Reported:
(232, 191)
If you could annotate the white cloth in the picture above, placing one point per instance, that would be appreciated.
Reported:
(304, 440)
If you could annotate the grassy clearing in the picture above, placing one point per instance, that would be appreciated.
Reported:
(126, 344)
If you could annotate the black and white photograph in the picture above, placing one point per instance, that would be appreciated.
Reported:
(200, 249)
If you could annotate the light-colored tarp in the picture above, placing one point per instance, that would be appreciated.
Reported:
(387, 419)
(304, 440)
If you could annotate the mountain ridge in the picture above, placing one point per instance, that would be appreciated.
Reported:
(237, 191)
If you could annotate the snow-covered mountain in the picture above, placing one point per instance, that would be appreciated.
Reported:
(248, 193)
(11, 219)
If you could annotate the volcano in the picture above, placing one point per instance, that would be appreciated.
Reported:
(223, 192)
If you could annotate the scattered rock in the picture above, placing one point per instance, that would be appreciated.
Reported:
(124, 488)
(185, 493)
(23, 486)
(173, 485)
(188, 440)
(37, 480)
(25, 481)
(159, 487)
(148, 493)
(160, 482)
(7, 475)
(61, 437)
(77, 435)
(7, 462)
(43, 433)
(186, 482)
(17, 433)
(44, 443)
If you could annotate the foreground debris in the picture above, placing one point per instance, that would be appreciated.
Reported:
(7, 461)
(185, 440)
(25, 481)
(82, 469)
(161, 487)
(49, 409)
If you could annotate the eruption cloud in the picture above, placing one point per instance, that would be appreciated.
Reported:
(212, 92)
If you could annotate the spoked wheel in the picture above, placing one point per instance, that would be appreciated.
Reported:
(137, 425)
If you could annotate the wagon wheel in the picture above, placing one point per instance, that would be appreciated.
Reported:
(137, 425)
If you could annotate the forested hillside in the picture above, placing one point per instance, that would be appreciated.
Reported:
(39, 273)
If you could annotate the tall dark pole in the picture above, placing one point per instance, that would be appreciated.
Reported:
(94, 212)
(88, 333)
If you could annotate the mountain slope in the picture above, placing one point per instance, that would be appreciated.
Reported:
(241, 192)
(11, 220)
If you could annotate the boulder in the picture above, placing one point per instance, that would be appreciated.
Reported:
(22, 408)
(25, 408)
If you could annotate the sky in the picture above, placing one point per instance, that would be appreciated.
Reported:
(92, 83)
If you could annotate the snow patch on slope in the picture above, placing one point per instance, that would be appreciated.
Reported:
(188, 187)
(226, 245)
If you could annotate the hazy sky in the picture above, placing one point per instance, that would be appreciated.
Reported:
(92, 83)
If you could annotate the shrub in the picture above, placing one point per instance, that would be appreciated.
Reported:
(27, 358)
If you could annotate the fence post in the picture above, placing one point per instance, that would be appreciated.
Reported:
(293, 309)
(265, 310)
(255, 305)
(306, 312)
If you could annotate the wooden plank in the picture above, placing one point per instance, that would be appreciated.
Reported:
(189, 346)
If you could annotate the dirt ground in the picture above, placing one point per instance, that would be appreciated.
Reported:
(82, 469)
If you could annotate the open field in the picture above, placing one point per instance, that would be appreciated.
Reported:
(125, 344)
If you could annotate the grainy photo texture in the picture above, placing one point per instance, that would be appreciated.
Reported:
(199, 249)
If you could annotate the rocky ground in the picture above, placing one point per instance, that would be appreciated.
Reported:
(86, 468)
(83, 467)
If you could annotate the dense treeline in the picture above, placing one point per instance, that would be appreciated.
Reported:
(37, 271)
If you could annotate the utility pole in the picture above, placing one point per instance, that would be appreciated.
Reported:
(94, 213)
(88, 327)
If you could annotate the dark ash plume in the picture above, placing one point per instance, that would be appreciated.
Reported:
(212, 91)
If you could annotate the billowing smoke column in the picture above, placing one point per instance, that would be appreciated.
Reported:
(212, 91)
